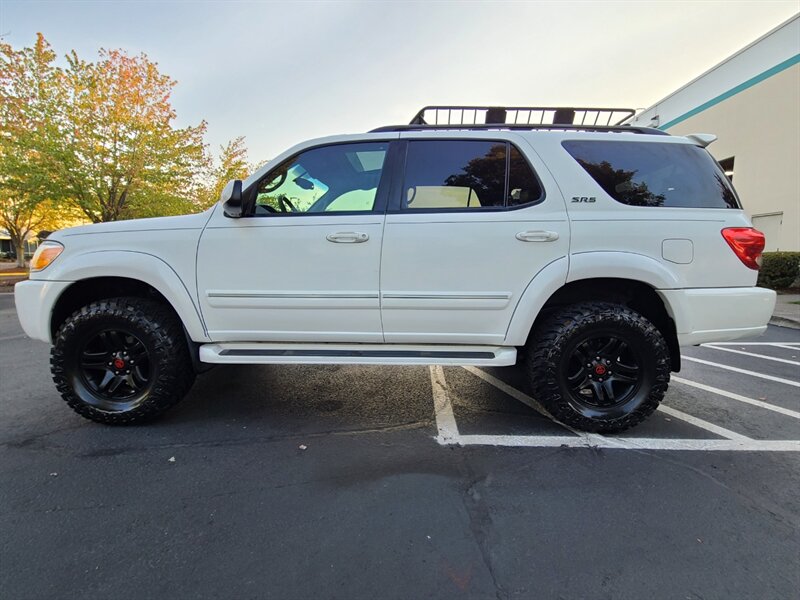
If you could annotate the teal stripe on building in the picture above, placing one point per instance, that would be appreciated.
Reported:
(789, 62)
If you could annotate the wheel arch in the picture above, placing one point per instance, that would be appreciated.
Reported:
(100, 275)
(637, 295)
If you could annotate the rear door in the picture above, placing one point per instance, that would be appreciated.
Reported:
(471, 221)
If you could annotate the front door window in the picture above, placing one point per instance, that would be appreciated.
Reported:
(338, 178)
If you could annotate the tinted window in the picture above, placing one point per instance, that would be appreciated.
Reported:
(523, 186)
(458, 174)
(655, 174)
(455, 174)
(343, 177)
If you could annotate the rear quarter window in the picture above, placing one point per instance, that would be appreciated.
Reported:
(655, 173)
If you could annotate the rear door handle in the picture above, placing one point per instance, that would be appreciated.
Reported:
(537, 236)
(347, 237)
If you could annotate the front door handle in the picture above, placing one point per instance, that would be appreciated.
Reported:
(347, 237)
(537, 236)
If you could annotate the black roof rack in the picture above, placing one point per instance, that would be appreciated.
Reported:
(522, 117)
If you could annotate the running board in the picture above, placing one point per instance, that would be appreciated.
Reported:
(356, 354)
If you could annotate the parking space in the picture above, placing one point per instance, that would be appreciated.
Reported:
(423, 482)
(706, 407)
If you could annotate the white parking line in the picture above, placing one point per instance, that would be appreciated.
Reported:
(764, 356)
(511, 391)
(525, 399)
(445, 420)
(449, 434)
(740, 398)
(593, 437)
(702, 423)
(793, 345)
(546, 441)
(8, 338)
(743, 371)
(787, 346)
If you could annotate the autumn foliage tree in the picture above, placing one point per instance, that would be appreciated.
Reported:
(98, 139)
(120, 154)
(31, 90)
(232, 163)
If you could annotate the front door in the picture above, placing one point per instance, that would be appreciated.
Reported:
(305, 266)
(469, 226)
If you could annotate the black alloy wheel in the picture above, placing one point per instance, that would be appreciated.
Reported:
(602, 372)
(598, 366)
(122, 360)
(115, 367)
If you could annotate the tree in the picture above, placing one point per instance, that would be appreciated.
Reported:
(485, 175)
(620, 184)
(30, 92)
(19, 217)
(232, 164)
(120, 154)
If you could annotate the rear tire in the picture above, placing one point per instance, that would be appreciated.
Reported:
(598, 366)
(121, 361)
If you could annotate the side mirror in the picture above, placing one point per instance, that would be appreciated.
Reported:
(231, 199)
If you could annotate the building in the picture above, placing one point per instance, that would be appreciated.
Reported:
(751, 102)
(7, 249)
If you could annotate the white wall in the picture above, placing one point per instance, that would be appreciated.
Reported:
(780, 45)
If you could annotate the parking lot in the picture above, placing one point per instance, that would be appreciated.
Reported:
(403, 482)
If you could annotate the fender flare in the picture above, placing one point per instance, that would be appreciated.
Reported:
(538, 291)
(622, 265)
(140, 266)
(584, 265)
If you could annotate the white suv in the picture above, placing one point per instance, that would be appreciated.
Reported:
(594, 252)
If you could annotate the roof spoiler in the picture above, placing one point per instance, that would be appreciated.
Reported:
(702, 139)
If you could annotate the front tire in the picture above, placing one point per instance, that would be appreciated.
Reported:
(598, 366)
(121, 361)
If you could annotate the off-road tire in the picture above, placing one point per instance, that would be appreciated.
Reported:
(553, 341)
(160, 332)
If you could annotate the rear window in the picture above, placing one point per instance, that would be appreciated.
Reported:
(655, 174)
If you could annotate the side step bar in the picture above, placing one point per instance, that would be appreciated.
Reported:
(356, 354)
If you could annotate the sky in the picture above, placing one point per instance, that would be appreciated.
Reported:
(279, 73)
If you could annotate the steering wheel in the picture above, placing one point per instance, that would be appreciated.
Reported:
(284, 202)
(274, 184)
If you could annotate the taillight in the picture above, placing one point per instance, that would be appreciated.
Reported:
(747, 243)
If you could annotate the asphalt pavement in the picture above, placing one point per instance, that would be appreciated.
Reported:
(298, 482)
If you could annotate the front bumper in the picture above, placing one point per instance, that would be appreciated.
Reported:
(718, 314)
(35, 301)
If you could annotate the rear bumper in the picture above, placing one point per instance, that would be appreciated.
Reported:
(34, 301)
(718, 314)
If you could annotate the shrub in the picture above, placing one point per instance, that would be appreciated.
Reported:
(779, 270)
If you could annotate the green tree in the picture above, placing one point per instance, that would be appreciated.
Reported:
(231, 164)
(120, 154)
(620, 184)
(31, 92)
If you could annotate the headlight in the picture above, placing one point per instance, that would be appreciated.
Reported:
(46, 253)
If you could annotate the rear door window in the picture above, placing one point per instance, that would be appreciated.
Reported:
(655, 173)
(467, 174)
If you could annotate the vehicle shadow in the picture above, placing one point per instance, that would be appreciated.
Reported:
(319, 397)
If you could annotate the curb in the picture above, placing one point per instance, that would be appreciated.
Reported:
(784, 322)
